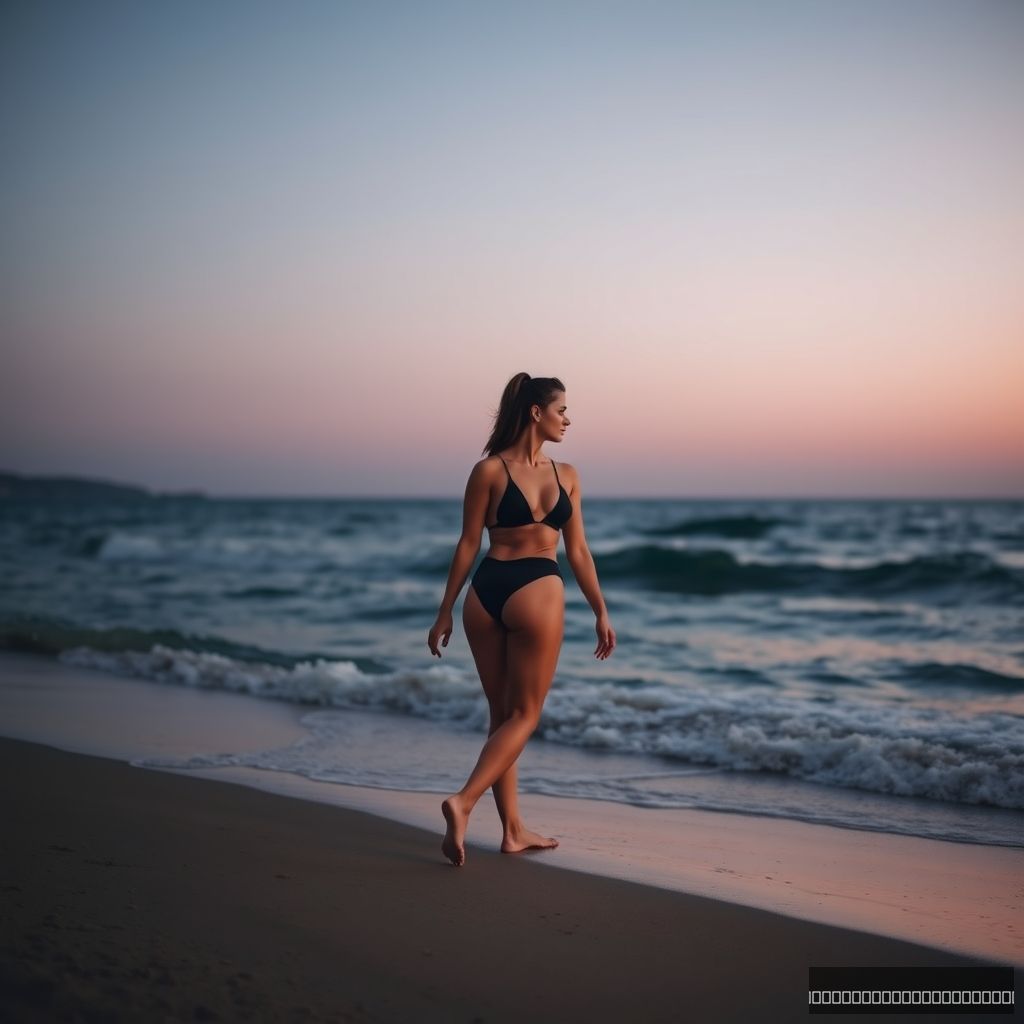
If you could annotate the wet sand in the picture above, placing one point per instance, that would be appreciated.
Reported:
(964, 898)
(131, 894)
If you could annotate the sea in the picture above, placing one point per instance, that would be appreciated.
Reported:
(852, 663)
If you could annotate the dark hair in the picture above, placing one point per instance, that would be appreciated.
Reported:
(521, 393)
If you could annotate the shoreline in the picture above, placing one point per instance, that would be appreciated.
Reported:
(950, 896)
(138, 894)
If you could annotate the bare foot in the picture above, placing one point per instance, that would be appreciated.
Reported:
(455, 817)
(524, 839)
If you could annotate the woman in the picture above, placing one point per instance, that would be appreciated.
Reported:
(515, 607)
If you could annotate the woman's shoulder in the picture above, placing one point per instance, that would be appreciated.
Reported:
(486, 466)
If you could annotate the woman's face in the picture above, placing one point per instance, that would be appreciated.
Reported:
(553, 419)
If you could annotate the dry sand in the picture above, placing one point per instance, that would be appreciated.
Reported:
(134, 895)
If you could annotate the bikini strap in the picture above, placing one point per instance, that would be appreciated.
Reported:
(556, 473)
(505, 464)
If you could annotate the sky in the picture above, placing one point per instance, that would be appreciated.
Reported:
(773, 249)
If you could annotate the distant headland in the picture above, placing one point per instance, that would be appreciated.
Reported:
(22, 487)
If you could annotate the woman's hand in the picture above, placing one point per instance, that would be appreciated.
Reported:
(605, 637)
(442, 628)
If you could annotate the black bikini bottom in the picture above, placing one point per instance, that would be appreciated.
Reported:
(497, 579)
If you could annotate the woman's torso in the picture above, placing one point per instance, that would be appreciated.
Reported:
(515, 528)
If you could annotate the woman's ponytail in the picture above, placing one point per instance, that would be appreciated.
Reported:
(521, 394)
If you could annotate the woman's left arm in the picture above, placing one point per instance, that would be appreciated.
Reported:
(577, 551)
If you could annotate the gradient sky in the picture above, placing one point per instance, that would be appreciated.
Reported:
(773, 249)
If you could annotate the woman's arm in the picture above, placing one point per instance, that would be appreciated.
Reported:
(466, 551)
(474, 510)
(577, 551)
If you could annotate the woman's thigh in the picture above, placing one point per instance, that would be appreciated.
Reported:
(535, 617)
(487, 641)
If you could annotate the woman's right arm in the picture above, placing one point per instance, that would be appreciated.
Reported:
(577, 551)
(474, 511)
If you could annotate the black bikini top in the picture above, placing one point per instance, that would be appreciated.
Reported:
(513, 509)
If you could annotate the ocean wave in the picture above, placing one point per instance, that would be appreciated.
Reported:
(963, 574)
(438, 692)
(254, 553)
(40, 635)
(971, 676)
(745, 527)
(877, 747)
(264, 592)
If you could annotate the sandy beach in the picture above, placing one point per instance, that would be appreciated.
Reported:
(963, 898)
(131, 894)
(605, 414)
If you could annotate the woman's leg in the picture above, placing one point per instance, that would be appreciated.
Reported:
(534, 617)
(487, 641)
(515, 836)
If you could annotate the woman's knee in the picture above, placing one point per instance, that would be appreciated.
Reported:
(528, 714)
(498, 718)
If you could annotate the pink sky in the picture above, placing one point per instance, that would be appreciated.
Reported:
(764, 264)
